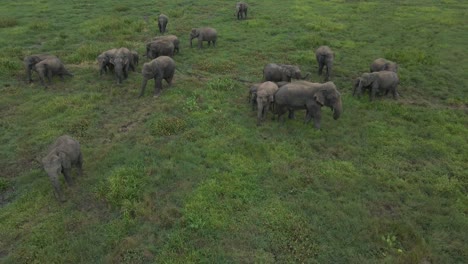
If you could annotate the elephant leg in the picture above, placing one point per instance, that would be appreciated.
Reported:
(57, 191)
(291, 114)
(320, 69)
(373, 92)
(395, 94)
(157, 87)
(49, 76)
(67, 175)
(200, 43)
(280, 111)
(169, 80)
(143, 86)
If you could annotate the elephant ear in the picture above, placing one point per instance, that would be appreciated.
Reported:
(66, 163)
(319, 97)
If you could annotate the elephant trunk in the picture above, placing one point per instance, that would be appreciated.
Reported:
(357, 87)
(337, 110)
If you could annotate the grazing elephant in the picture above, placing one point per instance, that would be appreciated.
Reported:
(63, 154)
(172, 38)
(241, 10)
(121, 59)
(104, 61)
(162, 67)
(383, 65)
(162, 23)
(204, 34)
(50, 67)
(265, 97)
(160, 47)
(309, 96)
(30, 61)
(381, 81)
(282, 73)
(325, 57)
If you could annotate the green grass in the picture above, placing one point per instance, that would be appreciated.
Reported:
(189, 177)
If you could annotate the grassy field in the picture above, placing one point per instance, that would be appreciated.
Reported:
(189, 178)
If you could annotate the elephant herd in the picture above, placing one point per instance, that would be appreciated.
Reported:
(277, 93)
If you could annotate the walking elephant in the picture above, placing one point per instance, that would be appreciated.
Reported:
(162, 67)
(381, 81)
(265, 97)
(63, 154)
(104, 61)
(282, 73)
(309, 96)
(31, 60)
(204, 34)
(382, 64)
(122, 59)
(50, 67)
(325, 57)
(241, 10)
(162, 23)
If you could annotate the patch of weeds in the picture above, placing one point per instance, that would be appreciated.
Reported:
(85, 52)
(39, 25)
(4, 184)
(121, 8)
(191, 104)
(8, 22)
(9, 67)
(222, 84)
(410, 57)
(168, 126)
(79, 128)
(391, 244)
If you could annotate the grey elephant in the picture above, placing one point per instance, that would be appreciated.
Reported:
(50, 67)
(325, 57)
(160, 47)
(104, 61)
(265, 97)
(253, 93)
(172, 38)
(134, 60)
(381, 81)
(282, 73)
(63, 154)
(31, 60)
(162, 67)
(241, 10)
(309, 96)
(162, 23)
(204, 34)
(382, 64)
(122, 60)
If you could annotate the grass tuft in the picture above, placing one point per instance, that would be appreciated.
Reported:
(6, 22)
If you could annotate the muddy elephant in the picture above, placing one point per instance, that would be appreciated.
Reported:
(204, 34)
(265, 97)
(282, 73)
(31, 60)
(381, 81)
(162, 23)
(309, 96)
(50, 67)
(162, 67)
(63, 154)
(241, 10)
(325, 57)
(172, 38)
(159, 47)
(381, 64)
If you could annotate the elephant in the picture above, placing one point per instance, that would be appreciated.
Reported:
(30, 61)
(122, 59)
(241, 10)
(381, 64)
(253, 93)
(135, 60)
(162, 23)
(172, 38)
(265, 97)
(309, 96)
(104, 61)
(204, 34)
(381, 81)
(63, 154)
(325, 57)
(160, 47)
(49, 67)
(282, 73)
(162, 67)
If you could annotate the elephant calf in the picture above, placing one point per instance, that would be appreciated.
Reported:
(172, 38)
(50, 67)
(31, 60)
(162, 23)
(241, 10)
(162, 67)
(381, 64)
(309, 96)
(160, 47)
(381, 81)
(282, 73)
(265, 97)
(325, 57)
(204, 34)
(63, 154)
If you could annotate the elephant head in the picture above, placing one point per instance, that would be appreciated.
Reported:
(364, 81)
(292, 71)
(329, 96)
(194, 34)
(53, 165)
(390, 66)
(120, 66)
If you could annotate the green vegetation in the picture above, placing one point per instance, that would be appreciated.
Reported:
(189, 178)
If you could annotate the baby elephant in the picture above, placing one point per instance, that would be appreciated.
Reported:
(31, 60)
(50, 67)
(162, 23)
(382, 81)
(241, 10)
(162, 67)
(325, 57)
(381, 64)
(265, 97)
(63, 154)
(204, 34)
